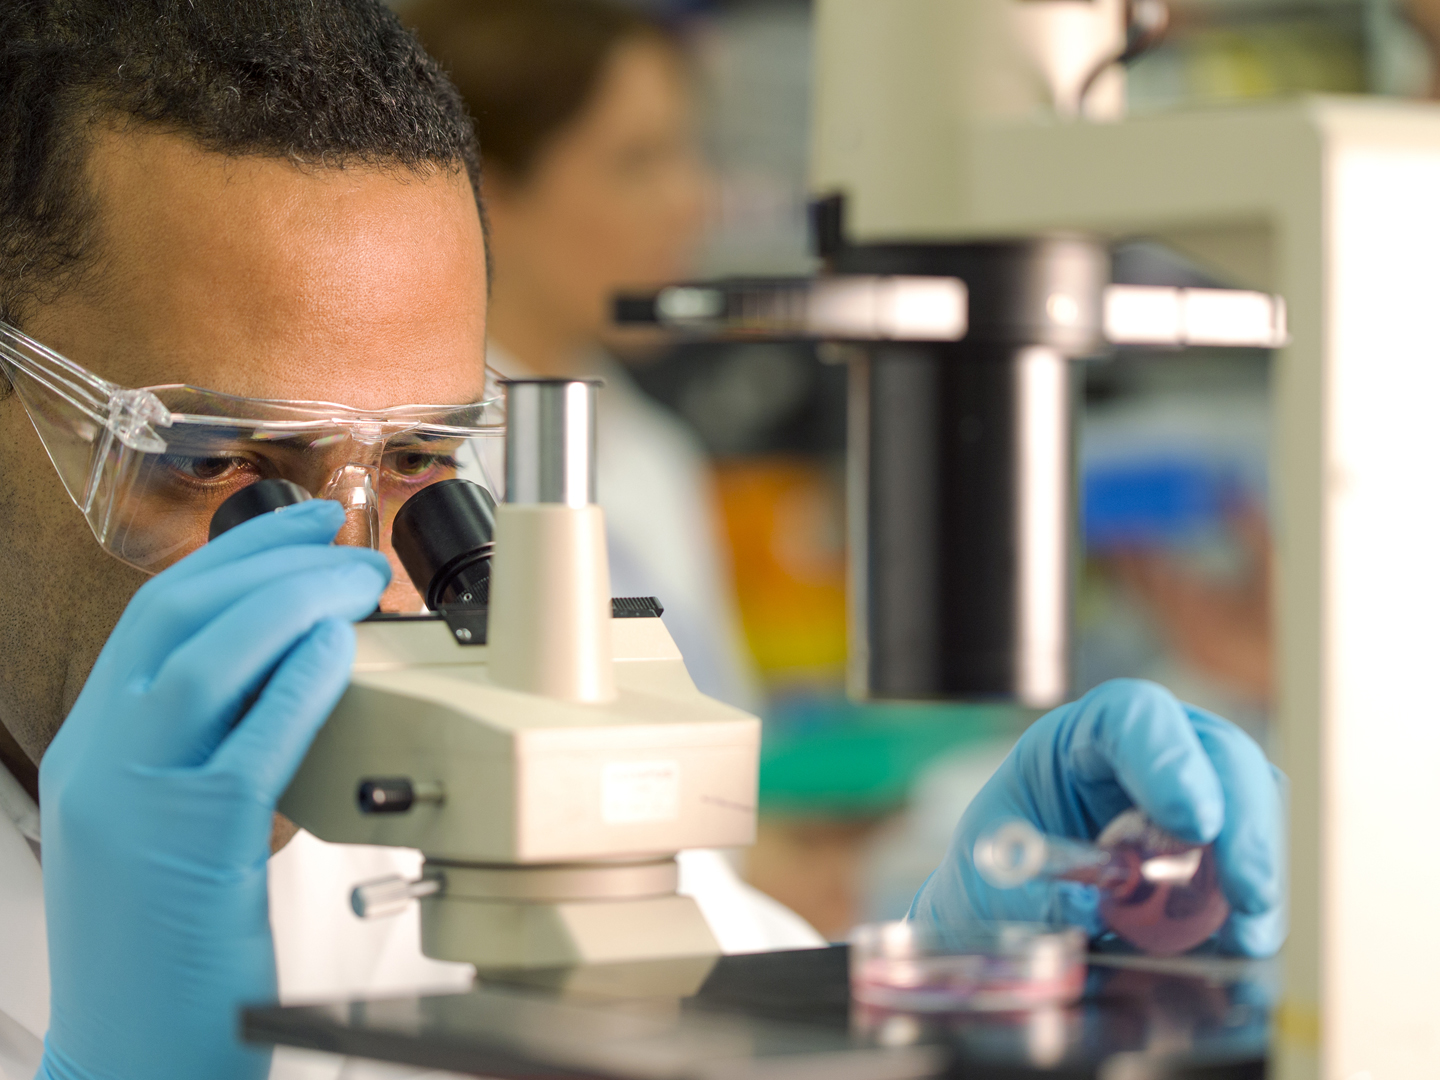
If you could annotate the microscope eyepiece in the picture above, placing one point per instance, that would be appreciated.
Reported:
(444, 536)
(252, 501)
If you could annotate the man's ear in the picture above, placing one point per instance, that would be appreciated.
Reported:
(7, 317)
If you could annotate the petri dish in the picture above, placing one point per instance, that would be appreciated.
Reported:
(992, 967)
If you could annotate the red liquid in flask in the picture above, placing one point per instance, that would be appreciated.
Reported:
(1157, 893)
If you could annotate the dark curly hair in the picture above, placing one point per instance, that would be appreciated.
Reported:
(324, 83)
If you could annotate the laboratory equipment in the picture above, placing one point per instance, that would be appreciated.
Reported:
(960, 455)
(539, 742)
(445, 535)
(262, 498)
(1158, 893)
(1331, 203)
(939, 122)
(992, 967)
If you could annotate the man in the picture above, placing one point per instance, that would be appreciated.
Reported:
(276, 201)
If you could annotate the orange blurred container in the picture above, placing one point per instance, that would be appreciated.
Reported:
(785, 520)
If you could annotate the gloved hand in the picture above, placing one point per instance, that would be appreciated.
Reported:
(156, 796)
(1127, 743)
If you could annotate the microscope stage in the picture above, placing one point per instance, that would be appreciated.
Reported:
(789, 1015)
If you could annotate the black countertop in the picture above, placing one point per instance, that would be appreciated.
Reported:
(788, 1016)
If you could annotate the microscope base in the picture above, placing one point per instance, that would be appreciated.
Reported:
(515, 934)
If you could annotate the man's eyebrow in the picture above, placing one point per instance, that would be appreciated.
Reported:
(298, 442)
(240, 436)
(425, 437)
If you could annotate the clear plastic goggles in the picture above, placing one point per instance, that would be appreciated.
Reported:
(148, 467)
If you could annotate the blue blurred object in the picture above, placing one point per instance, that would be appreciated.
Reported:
(1157, 501)
(158, 794)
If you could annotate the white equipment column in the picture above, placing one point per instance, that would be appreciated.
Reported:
(550, 585)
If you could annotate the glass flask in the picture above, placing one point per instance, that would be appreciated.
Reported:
(1157, 892)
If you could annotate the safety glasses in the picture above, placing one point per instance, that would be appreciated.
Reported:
(148, 467)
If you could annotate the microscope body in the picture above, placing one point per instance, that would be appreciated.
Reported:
(540, 743)
(552, 824)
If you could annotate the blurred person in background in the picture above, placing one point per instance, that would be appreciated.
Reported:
(594, 184)
(1424, 16)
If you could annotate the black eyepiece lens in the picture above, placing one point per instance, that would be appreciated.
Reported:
(253, 501)
(444, 536)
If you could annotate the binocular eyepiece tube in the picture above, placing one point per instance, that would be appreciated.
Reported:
(550, 610)
(550, 605)
(443, 535)
(550, 441)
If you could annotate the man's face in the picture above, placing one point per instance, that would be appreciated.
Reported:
(248, 276)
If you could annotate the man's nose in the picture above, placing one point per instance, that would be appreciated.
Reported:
(353, 487)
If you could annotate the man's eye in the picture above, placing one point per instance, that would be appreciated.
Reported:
(412, 464)
(208, 469)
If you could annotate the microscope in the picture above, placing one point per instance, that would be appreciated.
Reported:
(985, 140)
(1332, 204)
(960, 434)
(540, 742)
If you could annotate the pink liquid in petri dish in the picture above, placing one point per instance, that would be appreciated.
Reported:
(1001, 967)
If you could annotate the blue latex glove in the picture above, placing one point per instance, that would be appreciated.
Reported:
(1127, 743)
(157, 794)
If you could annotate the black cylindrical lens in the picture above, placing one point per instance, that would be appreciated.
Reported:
(253, 501)
(966, 538)
(444, 536)
(961, 471)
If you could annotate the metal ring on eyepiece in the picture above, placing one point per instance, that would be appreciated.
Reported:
(550, 441)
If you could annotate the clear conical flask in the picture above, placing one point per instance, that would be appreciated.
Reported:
(1157, 892)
